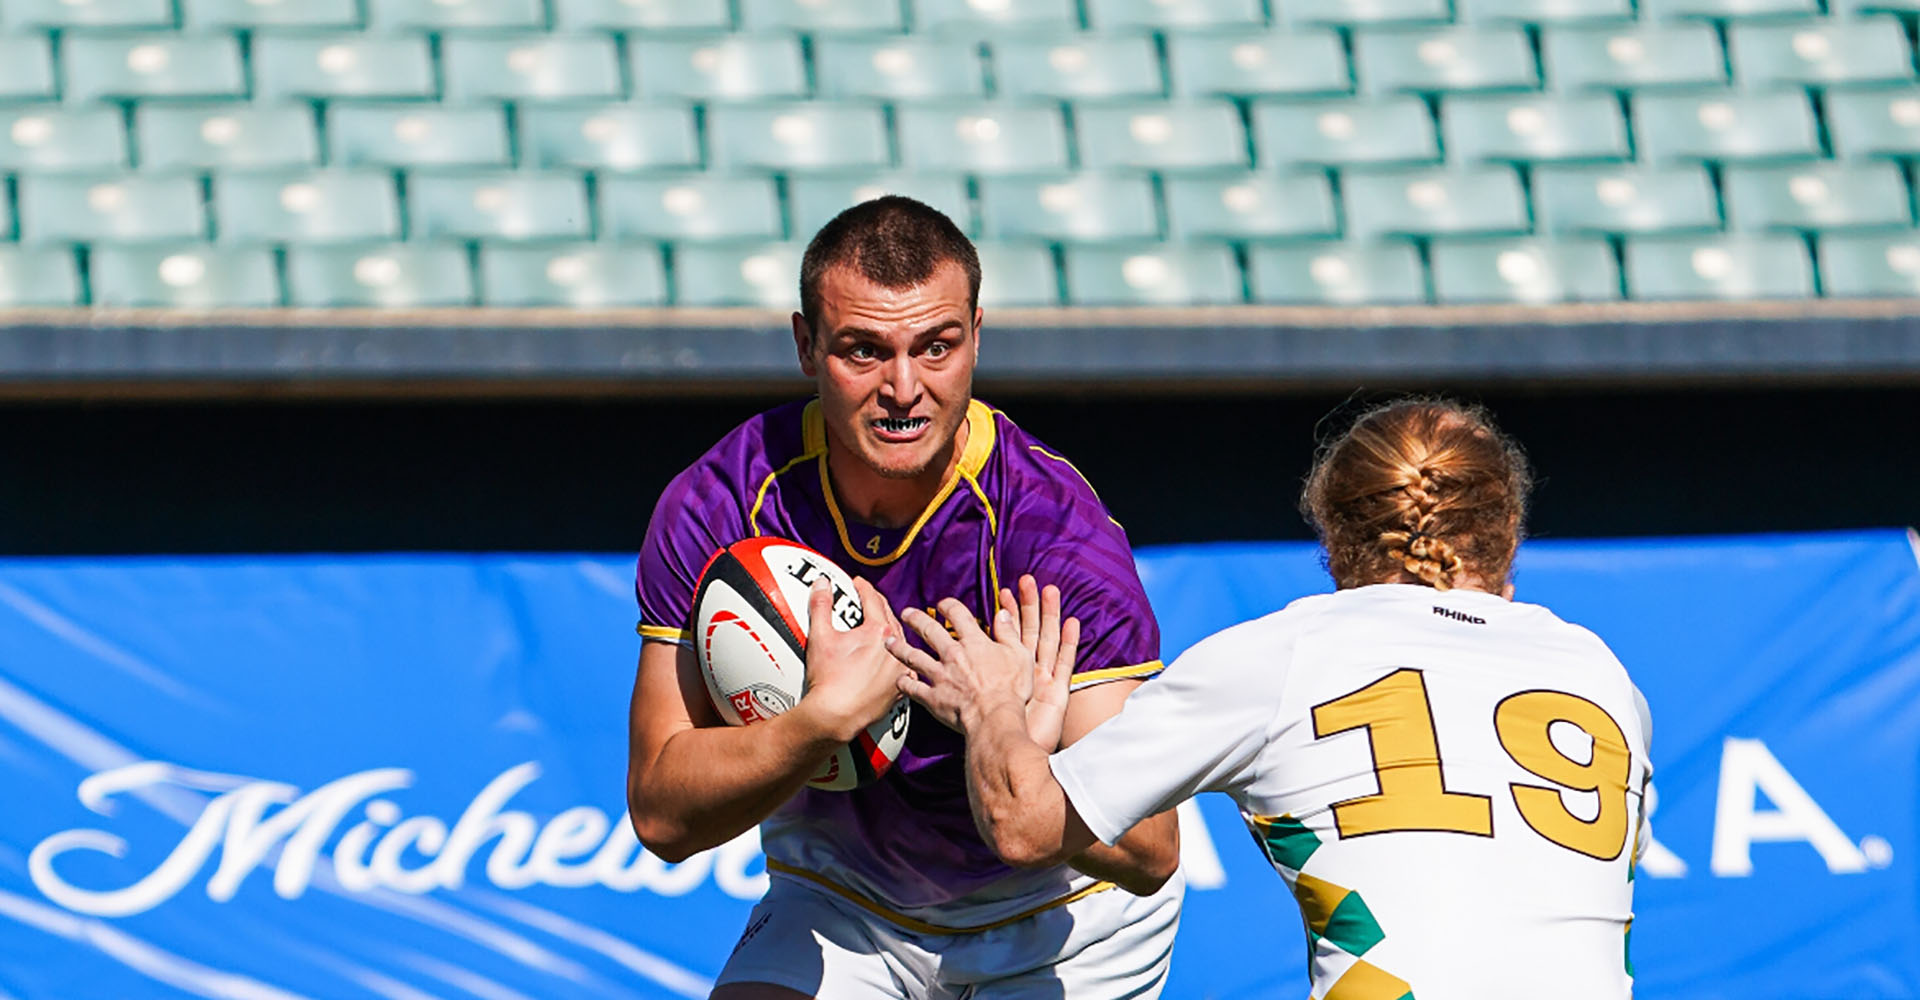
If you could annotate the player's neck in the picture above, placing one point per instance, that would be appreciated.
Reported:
(884, 502)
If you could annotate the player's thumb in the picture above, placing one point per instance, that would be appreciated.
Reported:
(819, 608)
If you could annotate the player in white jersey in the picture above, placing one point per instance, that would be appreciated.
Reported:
(1450, 782)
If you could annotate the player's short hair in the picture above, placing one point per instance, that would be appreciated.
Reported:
(892, 241)
(1416, 491)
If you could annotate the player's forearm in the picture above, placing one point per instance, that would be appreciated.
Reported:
(1018, 807)
(1141, 861)
(708, 785)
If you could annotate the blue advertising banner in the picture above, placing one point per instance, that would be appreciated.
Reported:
(401, 776)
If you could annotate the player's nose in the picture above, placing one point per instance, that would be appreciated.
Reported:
(902, 383)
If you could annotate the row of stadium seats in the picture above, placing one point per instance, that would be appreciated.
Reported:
(1445, 58)
(1387, 272)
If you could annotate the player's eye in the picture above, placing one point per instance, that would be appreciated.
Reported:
(861, 352)
(938, 349)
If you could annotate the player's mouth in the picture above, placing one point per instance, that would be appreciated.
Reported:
(899, 430)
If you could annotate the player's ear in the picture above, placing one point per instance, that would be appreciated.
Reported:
(803, 344)
(979, 315)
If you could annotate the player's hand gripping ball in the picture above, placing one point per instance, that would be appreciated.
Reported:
(750, 633)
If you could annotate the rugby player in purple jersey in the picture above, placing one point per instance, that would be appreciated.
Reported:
(896, 473)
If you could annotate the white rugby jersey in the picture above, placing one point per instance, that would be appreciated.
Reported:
(1450, 783)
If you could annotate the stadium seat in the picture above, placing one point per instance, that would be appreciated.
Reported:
(690, 207)
(906, 68)
(1631, 56)
(815, 16)
(225, 135)
(1250, 205)
(1725, 125)
(1545, 11)
(814, 135)
(6, 220)
(38, 277)
(340, 65)
(581, 275)
(87, 13)
(306, 206)
(1240, 64)
(1343, 274)
(529, 67)
(442, 14)
(126, 208)
(817, 198)
(1344, 131)
(26, 68)
(1070, 66)
(643, 15)
(389, 275)
(750, 274)
(1106, 15)
(1726, 10)
(1363, 12)
(51, 137)
(1877, 264)
(1534, 128)
(1082, 206)
(1883, 121)
(151, 65)
(1718, 266)
(189, 276)
(1629, 198)
(1164, 274)
(982, 136)
(996, 16)
(1017, 274)
(498, 205)
(1439, 59)
(1820, 51)
(1433, 201)
(1161, 135)
(723, 67)
(608, 136)
(1819, 194)
(431, 135)
(336, 14)
(1534, 271)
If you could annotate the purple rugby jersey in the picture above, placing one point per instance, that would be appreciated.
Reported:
(1014, 506)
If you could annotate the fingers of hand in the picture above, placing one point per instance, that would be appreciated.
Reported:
(1048, 623)
(964, 624)
(820, 607)
(1069, 647)
(914, 659)
(930, 631)
(1030, 631)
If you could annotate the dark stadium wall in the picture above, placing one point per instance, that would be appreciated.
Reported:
(180, 477)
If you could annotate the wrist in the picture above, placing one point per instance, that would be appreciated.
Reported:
(815, 725)
(983, 714)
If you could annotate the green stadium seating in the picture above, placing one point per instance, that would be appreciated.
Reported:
(110, 208)
(1881, 121)
(817, 198)
(1078, 66)
(1336, 274)
(1857, 264)
(580, 275)
(1344, 131)
(6, 220)
(1240, 64)
(380, 274)
(1630, 198)
(816, 16)
(718, 67)
(689, 207)
(87, 13)
(982, 136)
(1820, 51)
(1718, 267)
(306, 206)
(342, 65)
(190, 276)
(26, 68)
(814, 135)
(643, 15)
(38, 277)
(996, 16)
(497, 205)
(1817, 195)
(1161, 135)
(529, 67)
(1526, 269)
(1106, 15)
(608, 136)
(1443, 59)
(416, 136)
(151, 65)
(52, 137)
(1250, 205)
(442, 14)
(1725, 125)
(1433, 201)
(1631, 56)
(901, 68)
(1726, 9)
(1534, 128)
(1545, 11)
(331, 14)
(1017, 274)
(1078, 206)
(740, 274)
(1362, 12)
(1166, 274)
(233, 135)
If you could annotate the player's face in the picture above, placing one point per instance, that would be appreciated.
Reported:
(894, 367)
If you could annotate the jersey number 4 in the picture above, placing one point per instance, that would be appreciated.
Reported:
(1413, 795)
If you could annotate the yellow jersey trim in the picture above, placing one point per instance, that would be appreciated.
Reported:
(1062, 459)
(1138, 671)
(662, 632)
(980, 440)
(921, 926)
(813, 443)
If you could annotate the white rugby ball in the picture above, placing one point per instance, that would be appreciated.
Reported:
(750, 634)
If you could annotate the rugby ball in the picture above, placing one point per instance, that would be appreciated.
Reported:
(750, 635)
